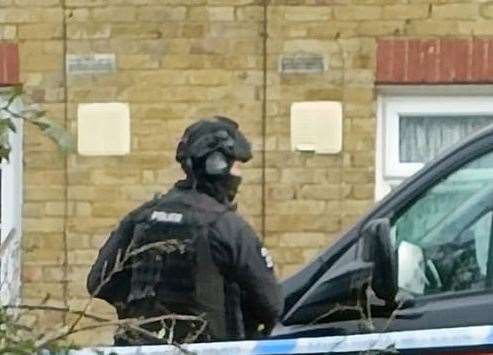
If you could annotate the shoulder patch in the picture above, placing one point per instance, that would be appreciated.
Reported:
(168, 217)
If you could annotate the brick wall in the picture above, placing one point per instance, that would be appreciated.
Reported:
(36, 27)
(312, 198)
(178, 60)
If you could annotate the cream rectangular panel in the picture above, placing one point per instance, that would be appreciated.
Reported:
(316, 126)
(103, 129)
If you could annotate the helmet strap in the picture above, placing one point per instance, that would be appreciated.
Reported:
(190, 174)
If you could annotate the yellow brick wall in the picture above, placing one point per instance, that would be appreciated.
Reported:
(178, 60)
(37, 28)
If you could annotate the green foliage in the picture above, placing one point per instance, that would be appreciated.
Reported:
(31, 115)
(56, 133)
(12, 336)
(19, 339)
(4, 145)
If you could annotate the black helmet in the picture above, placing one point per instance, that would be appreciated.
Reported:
(216, 143)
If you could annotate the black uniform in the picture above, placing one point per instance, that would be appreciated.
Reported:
(233, 284)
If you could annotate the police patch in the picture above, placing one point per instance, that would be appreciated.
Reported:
(269, 262)
(161, 216)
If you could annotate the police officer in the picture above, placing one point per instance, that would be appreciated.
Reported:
(210, 262)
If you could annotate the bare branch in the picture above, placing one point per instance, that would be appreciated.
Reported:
(171, 334)
(337, 308)
(56, 309)
(117, 267)
(123, 259)
(127, 322)
(193, 336)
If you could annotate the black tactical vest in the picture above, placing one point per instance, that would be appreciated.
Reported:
(172, 270)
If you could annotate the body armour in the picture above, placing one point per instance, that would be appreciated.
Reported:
(173, 268)
(195, 257)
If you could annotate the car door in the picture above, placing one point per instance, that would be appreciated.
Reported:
(460, 179)
(443, 244)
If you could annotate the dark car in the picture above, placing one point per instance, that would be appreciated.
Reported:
(421, 259)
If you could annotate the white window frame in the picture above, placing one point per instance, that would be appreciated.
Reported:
(11, 209)
(419, 101)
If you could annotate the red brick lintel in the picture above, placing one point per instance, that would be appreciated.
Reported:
(9, 64)
(435, 61)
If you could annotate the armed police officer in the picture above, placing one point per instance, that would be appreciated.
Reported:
(188, 252)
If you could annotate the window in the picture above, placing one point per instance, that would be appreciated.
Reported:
(10, 214)
(412, 130)
(443, 239)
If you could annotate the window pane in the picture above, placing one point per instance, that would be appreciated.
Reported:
(422, 137)
(451, 223)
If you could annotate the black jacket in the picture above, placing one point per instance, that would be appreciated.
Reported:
(252, 295)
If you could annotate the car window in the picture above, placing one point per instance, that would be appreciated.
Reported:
(443, 238)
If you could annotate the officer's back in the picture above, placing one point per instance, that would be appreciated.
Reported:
(191, 253)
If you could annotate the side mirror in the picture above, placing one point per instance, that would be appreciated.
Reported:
(342, 284)
(378, 250)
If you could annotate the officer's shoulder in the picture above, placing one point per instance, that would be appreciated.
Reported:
(232, 220)
(144, 207)
(232, 215)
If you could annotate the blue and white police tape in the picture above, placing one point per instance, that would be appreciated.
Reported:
(405, 340)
